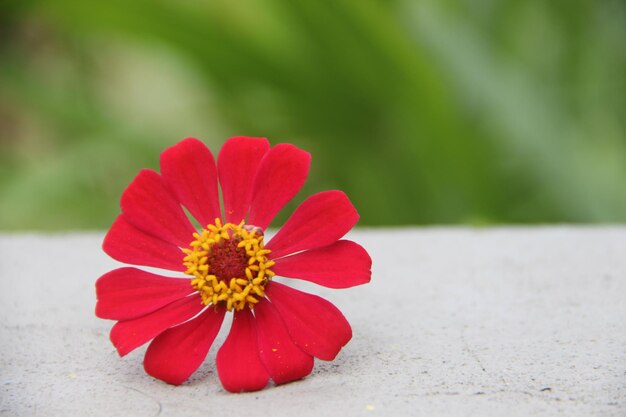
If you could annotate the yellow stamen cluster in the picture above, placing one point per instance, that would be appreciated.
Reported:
(220, 251)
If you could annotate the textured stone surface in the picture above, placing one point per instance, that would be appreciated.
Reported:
(456, 322)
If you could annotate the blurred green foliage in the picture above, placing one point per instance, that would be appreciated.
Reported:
(430, 111)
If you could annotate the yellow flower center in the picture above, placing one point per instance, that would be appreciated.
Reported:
(229, 265)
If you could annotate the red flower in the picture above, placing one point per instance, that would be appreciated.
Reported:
(276, 330)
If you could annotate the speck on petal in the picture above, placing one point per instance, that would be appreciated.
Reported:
(284, 361)
(314, 324)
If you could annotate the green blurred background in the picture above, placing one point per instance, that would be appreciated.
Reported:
(424, 112)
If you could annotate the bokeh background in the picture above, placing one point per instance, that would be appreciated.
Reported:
(423, 111)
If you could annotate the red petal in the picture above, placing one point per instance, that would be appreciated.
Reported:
(176, 353)
(320, 220)
(342, 264)
(188, 168)
(130, 334)
(128, 244)
(237, 165)
(238, 364)
(149, 205)
(315, 325)
(281, 174)
(127, 293)
(284, 361)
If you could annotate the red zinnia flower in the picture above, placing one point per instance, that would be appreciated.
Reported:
(276, 330)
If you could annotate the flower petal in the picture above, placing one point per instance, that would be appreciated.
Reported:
(320, 220)
(281, 174)
(237, 165)
(188, 169)
(127, 293)
(176, 353)
(238, 363)
(128, 244)
(314, 324)
(284, 361)
(342, 264)
(150, 206)
(130, 334)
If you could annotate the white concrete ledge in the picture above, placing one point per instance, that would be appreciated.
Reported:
(456, 322)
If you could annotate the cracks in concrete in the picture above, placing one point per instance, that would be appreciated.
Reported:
(471, 352)
(157, 402)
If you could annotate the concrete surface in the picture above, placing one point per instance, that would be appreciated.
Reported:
(456, 322)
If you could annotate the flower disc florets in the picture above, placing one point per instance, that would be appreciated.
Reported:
(229, 265)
